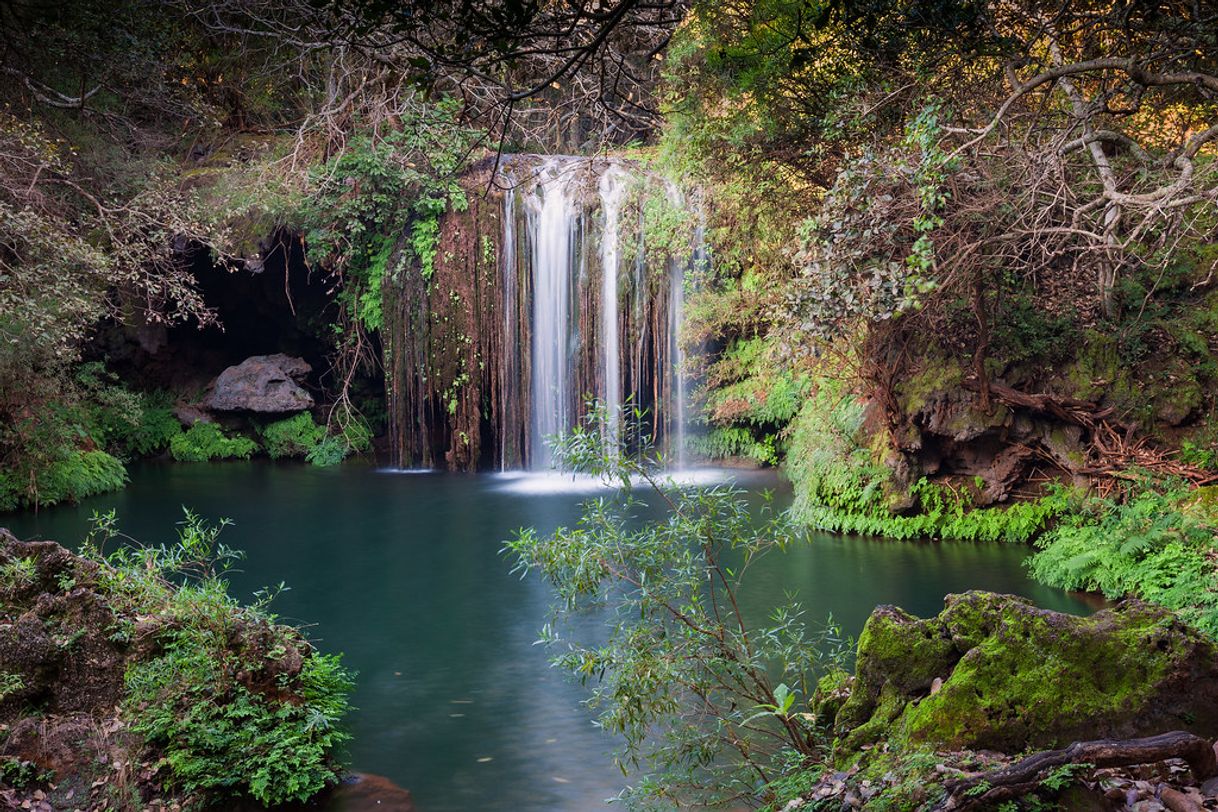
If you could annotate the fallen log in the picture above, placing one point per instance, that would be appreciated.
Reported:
(1023, 777)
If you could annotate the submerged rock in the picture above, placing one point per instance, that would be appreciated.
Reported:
(993, 672)
(261, 383)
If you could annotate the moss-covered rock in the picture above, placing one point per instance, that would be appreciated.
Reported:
(993, 672)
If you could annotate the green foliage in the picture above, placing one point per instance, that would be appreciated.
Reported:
(1024, 332)
(354, 438)
(221, 737)
(330, 451)
(9, 683)
(841, 487)
(384, 184)
(80, 474)
(736, 441)
(20, 774)
(206, 441)
(750, 400)
(156, 428)
(228, 720)
(112, 412)
(701, 695)
(1062, 775)
(299, 436)
(17, 573)
(72, 445)
(295, 436)
(1157, 543)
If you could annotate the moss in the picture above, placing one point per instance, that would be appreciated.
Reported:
(939, 375)
(832, 691)
(1016, 677)
(895, 650)
(1096, 368)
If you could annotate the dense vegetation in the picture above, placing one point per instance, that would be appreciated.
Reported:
(961, 283)
(212, 699)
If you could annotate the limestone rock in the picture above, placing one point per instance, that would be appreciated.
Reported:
(1013, 677)
(260, 383)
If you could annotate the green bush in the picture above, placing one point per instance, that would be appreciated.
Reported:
(335, 448)
(736, 441)
(299, 436)
(700, 696)
(206, 441)
(218, 736)
(156, 428)
(73, 477)
(110, 412)
(1158, 544)
(295, 436)
(219, 699)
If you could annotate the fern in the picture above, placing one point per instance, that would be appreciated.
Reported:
(295, 436)
(1157, 545)
(206, 441)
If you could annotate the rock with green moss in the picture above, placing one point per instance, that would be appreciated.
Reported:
(993, 672)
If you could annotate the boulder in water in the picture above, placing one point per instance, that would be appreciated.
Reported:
(261, 383)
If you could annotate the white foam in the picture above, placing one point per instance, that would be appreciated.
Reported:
(557, 482)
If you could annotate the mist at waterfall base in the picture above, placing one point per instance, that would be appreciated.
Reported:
(404, 575)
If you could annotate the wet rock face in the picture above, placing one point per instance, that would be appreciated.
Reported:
(261, 383)
(993, 672)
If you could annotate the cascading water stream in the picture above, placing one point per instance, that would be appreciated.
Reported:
(553, 220)
(509, 382)
(612, 189)
(676, 318)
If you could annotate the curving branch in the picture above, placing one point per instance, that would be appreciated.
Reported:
(1019, 779)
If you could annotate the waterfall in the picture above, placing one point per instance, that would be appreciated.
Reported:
(676, 317)
(612, 189)
(553, 220)
(546, 293)
(510, 366)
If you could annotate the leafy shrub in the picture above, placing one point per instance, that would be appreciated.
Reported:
(750, 400)
(335, 448)
(1157, 545)
(736, 441)
(295, 436)
(111, 411)
(206, 441)
(225, 721)
(217, 735)
(1202, 456)
(676, 634)
(156, 428)
(80, 474)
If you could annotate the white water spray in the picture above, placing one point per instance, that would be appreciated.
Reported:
(553, 218)
(612, 189)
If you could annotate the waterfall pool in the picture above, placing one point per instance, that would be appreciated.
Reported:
(404, 574)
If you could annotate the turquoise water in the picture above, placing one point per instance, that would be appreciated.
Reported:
(402, 572)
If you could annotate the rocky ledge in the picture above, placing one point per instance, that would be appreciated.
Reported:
(126, 684)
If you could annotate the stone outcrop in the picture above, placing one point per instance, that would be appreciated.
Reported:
(72, 631)
(261, 383)
(993, 672)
